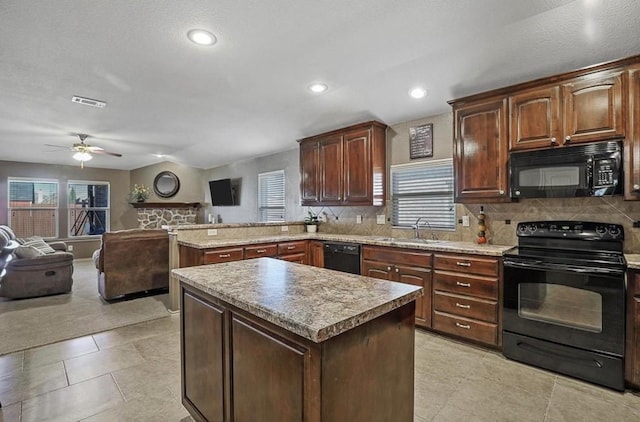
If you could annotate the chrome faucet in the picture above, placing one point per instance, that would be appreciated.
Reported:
(416, 228)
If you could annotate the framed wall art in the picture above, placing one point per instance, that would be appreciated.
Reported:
(421, 141)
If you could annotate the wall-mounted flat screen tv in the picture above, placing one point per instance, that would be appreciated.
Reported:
(222, 192)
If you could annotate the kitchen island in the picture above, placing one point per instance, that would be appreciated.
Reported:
(269, 340)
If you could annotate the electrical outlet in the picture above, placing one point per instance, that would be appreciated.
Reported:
(465, 221)
(212, 232)
(70, 248)
(381, 219)
(358, 219)
(284, 228)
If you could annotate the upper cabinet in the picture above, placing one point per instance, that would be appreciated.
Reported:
(345, 166)
(582, 109)
(632, 141)
(480, 152)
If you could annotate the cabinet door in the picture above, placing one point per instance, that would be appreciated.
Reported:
(316, 253)
(534, 119)
(203, 356)
(268, 375)
(418, 277)
(593, 108)
(310, 172)
(377, 270)
(632, 142)
(357, 167)
(331, 168)
(632, 351)
(480, 152)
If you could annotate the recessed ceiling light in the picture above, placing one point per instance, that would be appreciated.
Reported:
(202, 37)
(318, 87)
(159, 155)
(418, 93)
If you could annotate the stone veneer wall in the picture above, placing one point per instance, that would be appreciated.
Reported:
(155, 218)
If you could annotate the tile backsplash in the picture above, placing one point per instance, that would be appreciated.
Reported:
(499, 232)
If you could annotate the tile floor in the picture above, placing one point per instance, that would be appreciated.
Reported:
(133, 374)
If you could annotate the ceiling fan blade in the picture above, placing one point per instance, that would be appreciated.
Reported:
(101, 151)
(93, 148)
(61, 147)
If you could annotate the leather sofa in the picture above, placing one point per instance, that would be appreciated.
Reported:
(38, 274)
(132, 261)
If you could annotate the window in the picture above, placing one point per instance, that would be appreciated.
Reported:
(88, 204)
(424, 190)
(271, 196)
(33, 207)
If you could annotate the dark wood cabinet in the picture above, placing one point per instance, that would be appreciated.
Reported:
(261, 251)
(316, 253)
(410, 266)
(632, 141)
(632, 347)
(466, 297)
(481, 152)
(345, 166)
(534, 118)
(190, 257)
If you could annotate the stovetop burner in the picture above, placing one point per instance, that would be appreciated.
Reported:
(584, 258)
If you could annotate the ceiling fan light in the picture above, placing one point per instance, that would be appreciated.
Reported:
(82, 156)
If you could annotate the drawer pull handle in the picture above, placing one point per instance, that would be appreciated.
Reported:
(463, 284)
(465, 326)
(290, 247)
(460, 305)
(261, 250)
(463, 264)
(224, 255)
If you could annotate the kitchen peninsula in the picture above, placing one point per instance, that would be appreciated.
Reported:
(266, 339)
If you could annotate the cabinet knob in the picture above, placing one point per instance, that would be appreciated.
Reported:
(567, 139)
(388, 268)
(501, 192)
(636, 187)
(397, 270)
(554, 141)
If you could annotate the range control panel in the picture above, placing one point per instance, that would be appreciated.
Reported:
(571, 230)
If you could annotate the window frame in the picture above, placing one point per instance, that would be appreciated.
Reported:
(56, 208)
(450, 192)
(265, 208)
(107, 209)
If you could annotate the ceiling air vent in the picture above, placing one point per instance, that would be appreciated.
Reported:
(88, 101)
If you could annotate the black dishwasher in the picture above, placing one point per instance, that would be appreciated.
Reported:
(342, 257)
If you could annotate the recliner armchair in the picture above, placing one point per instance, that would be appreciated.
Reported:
(35, 273)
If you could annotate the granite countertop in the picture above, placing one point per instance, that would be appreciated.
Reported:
(438, 246)
(633, 261)
(312, 302)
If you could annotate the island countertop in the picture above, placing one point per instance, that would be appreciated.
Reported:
(314, 303)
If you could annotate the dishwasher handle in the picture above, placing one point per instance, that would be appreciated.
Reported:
(342, 248)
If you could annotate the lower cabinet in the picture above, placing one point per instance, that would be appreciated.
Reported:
(410, 266)
(632, 349)
(293, 251)
(316, 253)
(466, 297)
(238, 367)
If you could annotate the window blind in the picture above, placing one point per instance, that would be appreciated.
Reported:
(271, 197)
(424, 190)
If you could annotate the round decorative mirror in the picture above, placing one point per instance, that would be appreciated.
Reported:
(166, 184)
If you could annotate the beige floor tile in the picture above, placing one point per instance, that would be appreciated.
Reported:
(30, 383)
(494, 401)
(119, 336)
(577, 402)
(10, 413)
(431, 394)
(57, 352)
(151, 378)
(166, 346)
(143, 409)
(10, 364)
(102, 362)
(73, 403)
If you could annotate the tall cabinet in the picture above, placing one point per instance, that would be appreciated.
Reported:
(345, 166)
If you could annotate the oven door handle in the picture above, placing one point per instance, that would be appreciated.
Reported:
(561, 267)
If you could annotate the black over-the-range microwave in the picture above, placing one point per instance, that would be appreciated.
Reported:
(593, 169)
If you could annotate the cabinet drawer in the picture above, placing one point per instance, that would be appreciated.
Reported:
(466, 263)
(414, 257)
(468, 285)
(465, 327)
(258, 251)
(300, 258)
(485, 310)
(292, 247)
(223, 255)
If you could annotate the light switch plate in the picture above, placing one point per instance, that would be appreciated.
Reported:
(465, 221)
(284, 228)
(70, 248)
(212, 232)
(358, 219)
(381, 219)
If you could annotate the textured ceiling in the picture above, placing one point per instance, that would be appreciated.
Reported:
(246, 96)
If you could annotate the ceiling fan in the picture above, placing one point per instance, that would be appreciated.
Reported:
(83, 151)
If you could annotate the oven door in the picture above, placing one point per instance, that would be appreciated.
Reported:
(576, 306)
